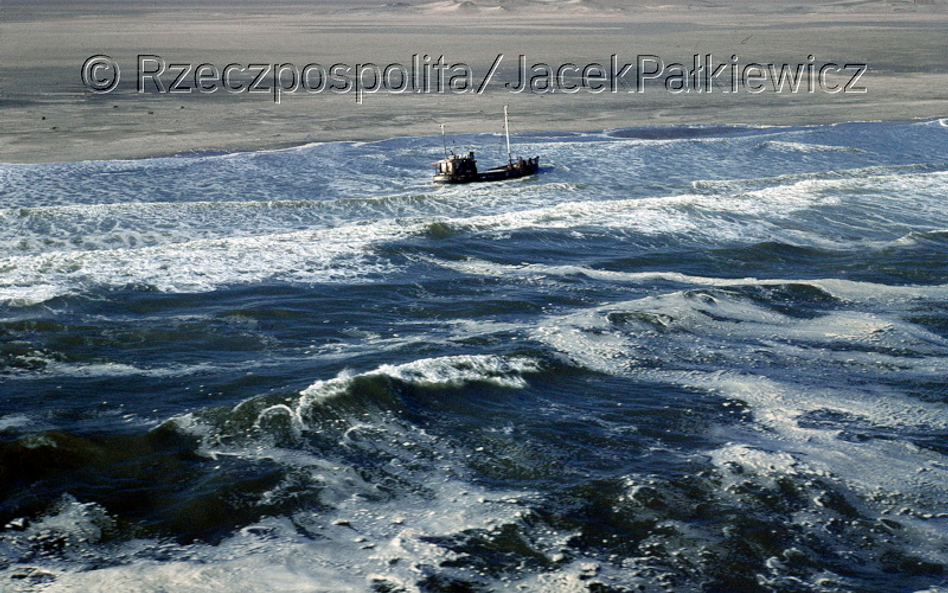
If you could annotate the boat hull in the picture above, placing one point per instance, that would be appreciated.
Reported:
(514, 170)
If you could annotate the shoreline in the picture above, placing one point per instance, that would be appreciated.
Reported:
(277, 147)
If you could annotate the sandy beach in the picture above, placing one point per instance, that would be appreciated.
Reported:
(186, 71)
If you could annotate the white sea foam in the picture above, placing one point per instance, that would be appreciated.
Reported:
(450, 371)
(781, 355)
(924, 178)
(352, 546)
(16, 421)
(50, 366)
(350, 549)
(784, 358)
(341, 254)
(699, 218)
(754, 215)
(61, 243)
(869, 293)
(783, 146)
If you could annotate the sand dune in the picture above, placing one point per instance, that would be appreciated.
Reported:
(546, 7)
(520, 7)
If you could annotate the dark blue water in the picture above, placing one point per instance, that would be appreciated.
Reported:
(678, 359)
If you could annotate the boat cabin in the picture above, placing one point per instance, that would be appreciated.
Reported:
(458, 165)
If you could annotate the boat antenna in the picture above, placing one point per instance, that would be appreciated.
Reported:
(507, 134)
(444, 141)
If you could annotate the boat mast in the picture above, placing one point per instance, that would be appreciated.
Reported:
(507, 134)
(444, 141)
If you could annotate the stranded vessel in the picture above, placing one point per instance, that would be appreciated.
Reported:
(462, 168)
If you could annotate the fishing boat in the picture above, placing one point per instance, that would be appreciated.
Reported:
(462, 168)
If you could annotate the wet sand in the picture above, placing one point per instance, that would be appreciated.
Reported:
(50, 115)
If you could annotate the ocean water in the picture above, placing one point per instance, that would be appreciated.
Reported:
(699, 358)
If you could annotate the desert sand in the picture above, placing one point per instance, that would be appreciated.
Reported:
(50, 114)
